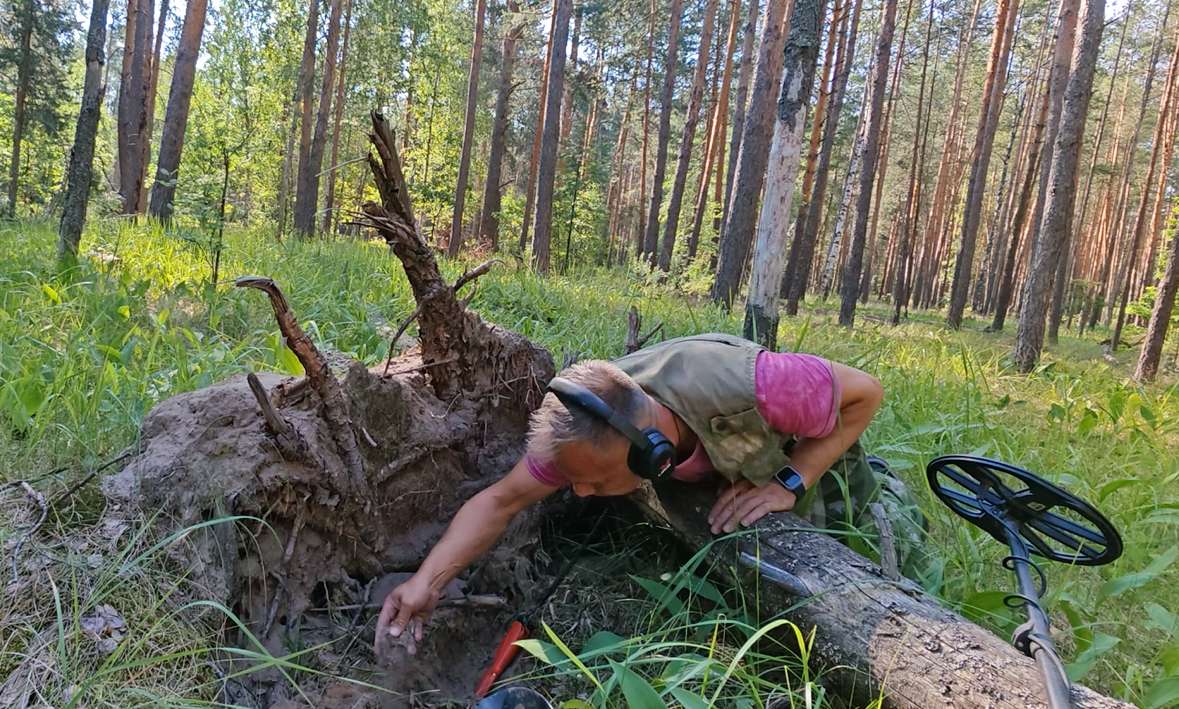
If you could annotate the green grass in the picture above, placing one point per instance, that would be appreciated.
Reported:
(84, 355)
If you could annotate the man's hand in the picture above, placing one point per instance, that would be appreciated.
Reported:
(407, 609)
(744, 502)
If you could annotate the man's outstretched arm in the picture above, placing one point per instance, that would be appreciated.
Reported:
(472, 532)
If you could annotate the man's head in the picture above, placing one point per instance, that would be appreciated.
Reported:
(587, 449)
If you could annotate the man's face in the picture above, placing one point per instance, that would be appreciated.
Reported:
(597, 469)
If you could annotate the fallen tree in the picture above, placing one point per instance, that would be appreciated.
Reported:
(875, 636)
(337, 483)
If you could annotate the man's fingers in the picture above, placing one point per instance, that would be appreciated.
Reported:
(404, 618)
(388, 608)
(756, 513)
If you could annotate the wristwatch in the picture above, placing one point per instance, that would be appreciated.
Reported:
(791, 480)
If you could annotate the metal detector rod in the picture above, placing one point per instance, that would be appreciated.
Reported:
(1039, 639)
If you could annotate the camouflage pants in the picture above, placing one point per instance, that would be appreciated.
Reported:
(840, 503)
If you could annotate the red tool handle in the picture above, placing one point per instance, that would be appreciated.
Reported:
(503, 657)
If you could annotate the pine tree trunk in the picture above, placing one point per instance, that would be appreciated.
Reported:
(851, 181)
(307, 94)
(534, 163)
(567, 103)
(752, 158)
(883, 161)
(720, 123)
(851, 276)
(799, 273)
(651, 238)
(802, 251)
(671, 226)
(24, 69)
(641, 230)
(492, 189)
(329, 200)
(547, 169)
(769, 257)
(133, 108)
(307, 196)
(176, 118)
(460, 191)
(1144, 203)
(1121, 282)
(152, 88)
(913, 200)
(984, 140)
(749, 35)
(79, 174)
(1062, 188)
(1160, 316)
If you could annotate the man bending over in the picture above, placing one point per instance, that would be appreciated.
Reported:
(780, 430)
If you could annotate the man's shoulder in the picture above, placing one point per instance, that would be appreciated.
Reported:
(702, 341)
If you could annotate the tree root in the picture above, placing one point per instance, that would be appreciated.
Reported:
(321, 378)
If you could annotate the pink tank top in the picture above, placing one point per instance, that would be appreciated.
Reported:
(797, 394)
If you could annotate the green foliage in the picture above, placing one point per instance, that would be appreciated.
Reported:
(84, 354)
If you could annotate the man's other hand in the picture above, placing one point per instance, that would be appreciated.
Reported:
(745, 503)
(406, 611)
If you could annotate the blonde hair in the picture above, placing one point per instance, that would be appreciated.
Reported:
(552, 425)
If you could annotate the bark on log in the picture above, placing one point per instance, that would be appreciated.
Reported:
(873, 635)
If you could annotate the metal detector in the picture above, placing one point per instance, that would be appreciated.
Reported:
(1031, 516)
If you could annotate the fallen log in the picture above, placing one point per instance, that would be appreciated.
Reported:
(875, 637)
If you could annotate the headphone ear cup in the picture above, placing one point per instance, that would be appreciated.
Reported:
(656, 463)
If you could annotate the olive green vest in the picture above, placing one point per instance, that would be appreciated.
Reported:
(708, 381)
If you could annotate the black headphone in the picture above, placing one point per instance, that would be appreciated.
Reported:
(651, 455)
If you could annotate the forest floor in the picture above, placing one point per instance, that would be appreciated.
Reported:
(83, 360)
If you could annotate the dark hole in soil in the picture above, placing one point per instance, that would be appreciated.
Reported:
(598, 594)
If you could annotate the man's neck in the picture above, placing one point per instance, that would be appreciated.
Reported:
(678, 432)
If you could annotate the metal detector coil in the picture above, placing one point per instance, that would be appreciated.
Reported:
(1031, 516)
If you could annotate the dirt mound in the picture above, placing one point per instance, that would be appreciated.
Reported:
(331, 484)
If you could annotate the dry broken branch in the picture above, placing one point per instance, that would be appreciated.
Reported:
(634, 323)
(320, 376)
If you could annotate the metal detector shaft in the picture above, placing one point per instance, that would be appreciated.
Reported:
(1037, 640)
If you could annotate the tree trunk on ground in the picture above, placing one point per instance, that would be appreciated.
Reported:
(690, 121)
(752, 159)
(176, 117)
(874, 638)
(988, 121)
(80, 171)
(651, 239)
(547, 169)
(24, 69)
(460, 191)
(720, 124)
(851, 276)
(329, 200)
(307, 196)
(492, 189)
(749, 34)
(1062, 188)
(769, 256)
(133, 109)
(307, 94)
(530, 196)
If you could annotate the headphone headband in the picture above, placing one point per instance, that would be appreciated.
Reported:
(571, 393)
(651, 455)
